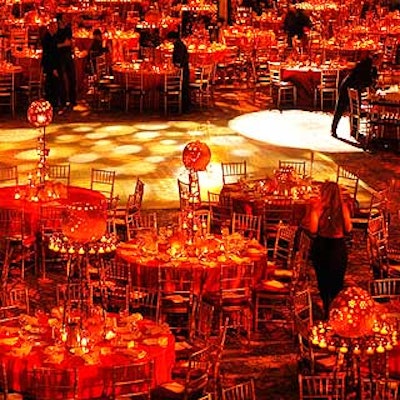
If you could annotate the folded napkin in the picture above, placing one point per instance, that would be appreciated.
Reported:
(175, 387)
(9, 341)
(273, 283)
(175, 298)
(150, 342)
(179, 346)
(283, 273)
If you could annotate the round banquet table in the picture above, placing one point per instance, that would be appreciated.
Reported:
(206, 269)
(34, 347)
(306, 80)
(68, 195)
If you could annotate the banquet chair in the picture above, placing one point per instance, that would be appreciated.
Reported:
(194, 382)
(9, 175)
(18, 39)
(115, 285)
(247, 225)
(146, 301)
(286, 92)
(379, 389)
(103, 181)
(74, 295)
(7, 91)
(141, 222)
(327, 90)
(234, 298)
(301, 260)
(32, 89)
(348, 180)
(176, 292)
(134, 89)
(17, 242)
(50, 223)
(241, 391)
(19, 297)
(5, 393)
(133, 381)
(299, 167)
(303, 311)
(359, 118)
(232, 172)
(277, 210)
(200, 88)
(54, 383)
(262, 79)
(171, 91)
(59, 172)
(221, 210)
(329, 386)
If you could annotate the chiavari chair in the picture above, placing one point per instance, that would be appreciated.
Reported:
(232, 172)
(241, 391)
(103, 181)
(379, 389)
(299, 167)
(5, 393)
(59, 172)
(248, 225)
(328, 89)
(9, 175)
(171, 91)
(332, 386)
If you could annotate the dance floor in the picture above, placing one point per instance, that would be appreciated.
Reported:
(150, 147)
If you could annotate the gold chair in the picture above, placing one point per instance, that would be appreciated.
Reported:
(176, 292)
(75, 295)
(7, 91)
(299, 167)
(52, 383)
(171, 91)
(32, 89)
(286, 91)
(5, 394)
(232, 172)
(9, 175)
(59, 172)
(332, 386)
(248, 225)
(201, 87)
(349, 181)
(103, 181)
(201, 220)
(19, 297)
(241, 391)
(221, 210)
(134, 89)
(359, 118)
(142, 222)
(379, 389)
(327, 90)
(132, 381)
(193, 383)
(18, 242)
(145, 301)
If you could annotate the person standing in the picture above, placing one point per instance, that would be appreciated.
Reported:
(51, 65)
(329, 223)
(363, 75)
(67, 65)
(180, 58)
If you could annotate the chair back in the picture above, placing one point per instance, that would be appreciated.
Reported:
(142, 222)
(13, 225)
(348, 180)
(329, 78)
(232, 172)
(18, 39)
(322, 386)
(385, 289)
(59, 172)
(379, 389)
(74, 295)
(236, 281)
(133, 381)
(302, 311)
(145, 301)
(19, 297)
(9, 175)
(138, 194)
(55, 383)
(241, 391)
(299, 167)
(103, 181)
(284, 244)
(248, 225)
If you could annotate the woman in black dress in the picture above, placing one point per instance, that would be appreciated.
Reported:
(330, 222)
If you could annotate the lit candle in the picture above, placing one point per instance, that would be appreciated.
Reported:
(389, 346)
(380, 349)
(323, 343)
(370, 351)
(17, 196)
(357, 350)
(71, 250)
(344, 349)
(101, 250)
(81, 251)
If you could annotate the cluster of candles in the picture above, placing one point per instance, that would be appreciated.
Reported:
(75, 339)
(383, 338)
(193, 226)
(60, 243)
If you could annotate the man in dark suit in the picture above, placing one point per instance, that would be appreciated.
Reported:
(51, 65)
(363, 75)
(180, 58)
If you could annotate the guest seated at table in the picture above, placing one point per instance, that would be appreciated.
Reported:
(330, 222)
(362, 76)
